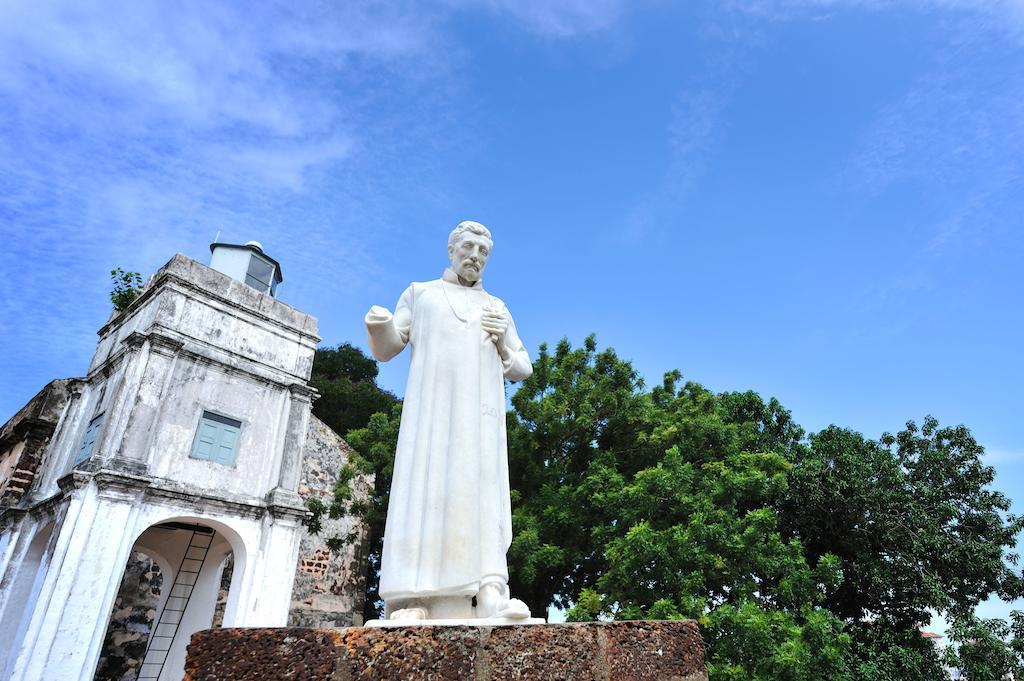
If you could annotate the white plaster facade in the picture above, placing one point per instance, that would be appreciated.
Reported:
(195, 340)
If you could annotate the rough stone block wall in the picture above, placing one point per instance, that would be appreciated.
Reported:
(131, 621)
(227, 571)
(329, 587)
(614, 651)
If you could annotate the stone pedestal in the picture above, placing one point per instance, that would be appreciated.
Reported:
(615, 651)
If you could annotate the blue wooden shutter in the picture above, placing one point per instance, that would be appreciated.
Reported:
(217, 439)
(89, 439)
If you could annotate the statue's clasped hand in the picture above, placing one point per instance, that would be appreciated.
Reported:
(494, 324)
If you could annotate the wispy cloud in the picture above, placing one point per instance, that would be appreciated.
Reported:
(730, 42)
(1009, 14)
(695, 124)
(952, 127)
(1004, 457)
(946, 129)
(959, 132)
(561, 19)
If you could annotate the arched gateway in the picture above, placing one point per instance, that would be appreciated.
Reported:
(177, 581)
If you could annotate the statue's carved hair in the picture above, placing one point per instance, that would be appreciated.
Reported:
(468, 226)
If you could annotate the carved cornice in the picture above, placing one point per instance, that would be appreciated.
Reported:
(29, 429)
(115, 478)
(134, 340)
(165, 344)
(118, 485)
(75, 388)
(175, 278)
(107, 366)
(229, 368)
(286, 504)
(302, 391)
(288, 513)
(250, 507)
(73, 480)
(157, 341)
(9, 516)
(164, 341)
(47, 508)
(165, 278)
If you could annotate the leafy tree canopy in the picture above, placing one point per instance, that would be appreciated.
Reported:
(988, 649)
(912, 518)
(346, 381)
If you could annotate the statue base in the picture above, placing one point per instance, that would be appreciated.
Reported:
(597, 651)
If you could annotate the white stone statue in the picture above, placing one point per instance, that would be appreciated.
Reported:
(449, 520)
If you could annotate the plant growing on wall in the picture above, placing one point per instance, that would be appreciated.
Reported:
(127, 287)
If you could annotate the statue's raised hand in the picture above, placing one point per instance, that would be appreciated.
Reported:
(378, 314)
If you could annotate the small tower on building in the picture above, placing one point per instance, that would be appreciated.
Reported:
(178, 455)
(247, 262)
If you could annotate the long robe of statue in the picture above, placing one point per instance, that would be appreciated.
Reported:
(449, 518)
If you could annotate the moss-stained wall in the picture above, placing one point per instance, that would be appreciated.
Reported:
(23, 439)
(329, 588)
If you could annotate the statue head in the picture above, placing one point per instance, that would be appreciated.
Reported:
(469, 245)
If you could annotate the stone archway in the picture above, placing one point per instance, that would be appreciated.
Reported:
(191, 555)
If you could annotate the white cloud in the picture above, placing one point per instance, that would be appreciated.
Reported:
(561, 19)
(959, 124)
(695, 123)
(204, 64)
(284, 165)
(957, 131)
(1003, 457)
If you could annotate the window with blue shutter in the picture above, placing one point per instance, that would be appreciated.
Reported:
(217, 439)
(89, 439)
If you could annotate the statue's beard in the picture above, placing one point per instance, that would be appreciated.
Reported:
(469, 273)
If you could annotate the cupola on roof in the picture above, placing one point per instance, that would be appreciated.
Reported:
(247, 263)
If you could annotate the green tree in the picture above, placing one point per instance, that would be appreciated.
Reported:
(882, 651)
(912, 518)
(749, 641)
(347, 382)
(631, 503)
(915, 526)
(990, 649)
(374, 455)
(579, 409)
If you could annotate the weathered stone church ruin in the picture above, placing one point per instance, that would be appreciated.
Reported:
(164, 492)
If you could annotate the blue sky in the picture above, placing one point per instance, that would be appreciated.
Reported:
(818, 200)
